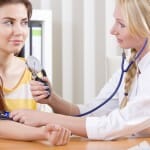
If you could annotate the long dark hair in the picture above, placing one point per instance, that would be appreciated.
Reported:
(2, 103)
(27, 4)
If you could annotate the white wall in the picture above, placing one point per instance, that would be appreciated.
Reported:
(112, 48)
(42, 4)
(80, 45)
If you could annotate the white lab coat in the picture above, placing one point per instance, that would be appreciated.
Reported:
(110, 122)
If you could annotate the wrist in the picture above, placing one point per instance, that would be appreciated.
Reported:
(44, 133)
(52, 99)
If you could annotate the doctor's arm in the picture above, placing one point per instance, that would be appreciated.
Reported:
(57, 103)
(36, 118)
(61, 106)
(132, 119)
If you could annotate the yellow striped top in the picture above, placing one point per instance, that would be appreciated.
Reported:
(20, 96)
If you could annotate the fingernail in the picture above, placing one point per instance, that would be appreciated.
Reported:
(46, 87)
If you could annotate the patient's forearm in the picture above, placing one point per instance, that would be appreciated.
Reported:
(18, 131)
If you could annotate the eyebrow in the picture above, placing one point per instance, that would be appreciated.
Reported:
(10, 18)
(120, 20)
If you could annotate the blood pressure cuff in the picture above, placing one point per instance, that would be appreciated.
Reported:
(4, 115)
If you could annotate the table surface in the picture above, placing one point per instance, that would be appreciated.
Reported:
(76, 143)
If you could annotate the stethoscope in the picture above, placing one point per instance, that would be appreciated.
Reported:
(35, 67)
(123, 70)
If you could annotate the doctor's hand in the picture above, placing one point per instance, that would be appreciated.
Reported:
(39, 91)
(29, 117)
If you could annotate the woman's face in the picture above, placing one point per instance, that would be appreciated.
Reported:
(122, 34)
(13, 27)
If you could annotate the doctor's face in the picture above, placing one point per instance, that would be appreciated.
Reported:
(122, 34)
(13, 27)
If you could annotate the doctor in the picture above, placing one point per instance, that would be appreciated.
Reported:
(128, 113)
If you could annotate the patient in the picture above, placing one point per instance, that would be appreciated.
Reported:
(15, 77)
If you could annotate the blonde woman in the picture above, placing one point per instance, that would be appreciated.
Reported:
(15, 77)
(128, 113)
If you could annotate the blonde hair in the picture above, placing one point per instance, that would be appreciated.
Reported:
(137, 16)
(129, 78)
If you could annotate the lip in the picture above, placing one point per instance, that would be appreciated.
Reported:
(16, 42)
(119, 40)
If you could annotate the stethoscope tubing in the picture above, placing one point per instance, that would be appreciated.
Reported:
(123, 70)
(107, 100)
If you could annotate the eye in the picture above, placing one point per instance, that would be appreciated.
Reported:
(8, 23)
(24, 23)
(122, 25)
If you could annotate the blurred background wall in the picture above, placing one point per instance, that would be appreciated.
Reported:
(84, 54)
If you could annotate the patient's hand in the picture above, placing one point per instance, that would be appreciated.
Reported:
(57, 135)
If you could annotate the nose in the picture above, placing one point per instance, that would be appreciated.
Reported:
(17, 29)
(113, 30)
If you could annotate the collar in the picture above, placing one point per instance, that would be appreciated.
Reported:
(144, 62)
